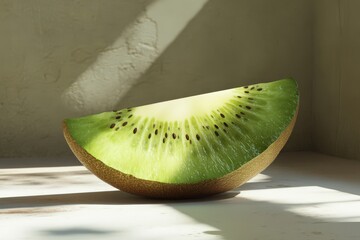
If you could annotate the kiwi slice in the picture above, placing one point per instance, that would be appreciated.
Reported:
(188, 147)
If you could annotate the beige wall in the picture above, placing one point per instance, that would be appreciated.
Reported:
(336, 91)
(62, 59)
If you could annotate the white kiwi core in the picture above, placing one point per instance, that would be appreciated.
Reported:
(181, 109)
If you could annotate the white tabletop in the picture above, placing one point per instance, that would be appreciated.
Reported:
(300, 196)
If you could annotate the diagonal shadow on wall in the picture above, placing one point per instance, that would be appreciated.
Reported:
(45, 46)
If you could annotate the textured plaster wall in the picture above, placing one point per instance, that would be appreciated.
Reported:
(336, 97)
(68, 58)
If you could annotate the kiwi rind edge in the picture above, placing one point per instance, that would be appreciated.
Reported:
(153, 189)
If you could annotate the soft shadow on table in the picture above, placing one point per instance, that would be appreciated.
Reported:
(241, 218)
(76, 231)
(230, 217)
(311, 169)
(248, 219)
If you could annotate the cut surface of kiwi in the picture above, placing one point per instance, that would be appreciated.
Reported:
(188, 147)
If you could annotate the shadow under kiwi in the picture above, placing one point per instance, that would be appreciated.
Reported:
(103, 197)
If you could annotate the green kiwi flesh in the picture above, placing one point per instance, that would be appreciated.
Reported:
(188, 147)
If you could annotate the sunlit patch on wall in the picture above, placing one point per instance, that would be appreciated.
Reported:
(117, 68)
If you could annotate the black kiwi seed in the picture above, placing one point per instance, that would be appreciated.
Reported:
(240, 105)
(149, 135)
(187, 137)
(252, 88)
(248, 107)
(129, 110)
(250, 98)
(259, 89)
(246, 87)
(225, 124)
(154, 125)
(125, 123)
(224, 130)
(163, 140)
(166, 135)
(156, 132)
(207, 127)
(118, 117)
(222, 115)
(216, 126)
(190, 142)
(116, 128)
(112, 125)
(239, 96)
(198, 137)
(114, 110)
(130, 116)
(242, 113)
(246, 91)
(135, 130)
(216, 133)
(174, 136)
(237, 115)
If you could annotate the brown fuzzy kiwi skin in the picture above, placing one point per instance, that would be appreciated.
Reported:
(153, 189)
